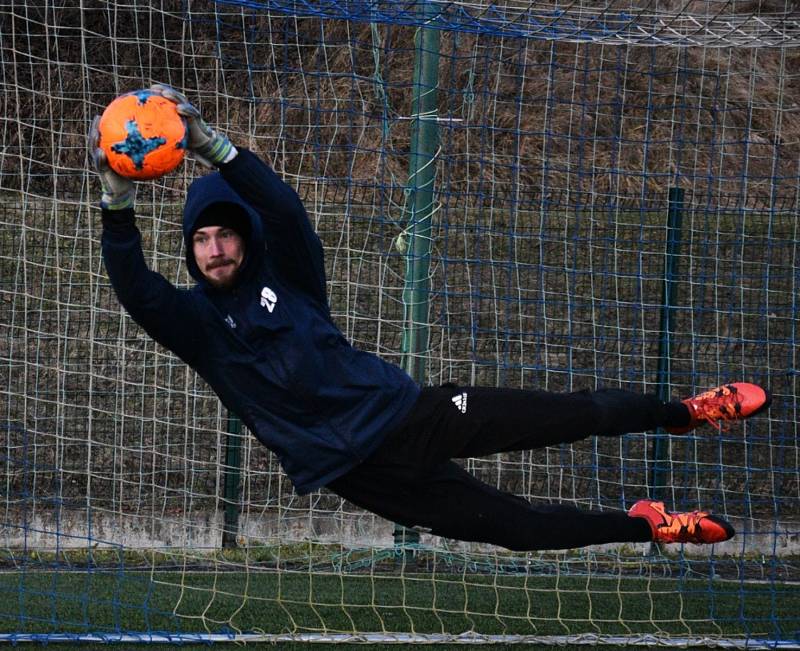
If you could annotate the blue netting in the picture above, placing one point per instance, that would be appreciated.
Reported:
(619, 22)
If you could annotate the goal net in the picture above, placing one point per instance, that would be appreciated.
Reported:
(614, 193)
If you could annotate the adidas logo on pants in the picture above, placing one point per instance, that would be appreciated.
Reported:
(460, 401)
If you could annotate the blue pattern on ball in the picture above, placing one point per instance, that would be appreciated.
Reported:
(184, 143)
(142, 95)
(135, 145)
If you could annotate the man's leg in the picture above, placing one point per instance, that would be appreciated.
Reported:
(460, 422)
(448, 501)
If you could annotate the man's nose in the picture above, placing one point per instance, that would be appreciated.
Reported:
(216, 247)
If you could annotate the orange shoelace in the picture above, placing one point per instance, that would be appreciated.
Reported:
(717, 405)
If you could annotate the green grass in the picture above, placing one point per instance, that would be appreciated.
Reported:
(94, 601)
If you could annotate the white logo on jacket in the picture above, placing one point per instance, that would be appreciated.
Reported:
(268, 298)
(460, 401)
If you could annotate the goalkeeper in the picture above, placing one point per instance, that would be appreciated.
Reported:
(257, 327)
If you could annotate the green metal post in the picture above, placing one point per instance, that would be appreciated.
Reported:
(420, 208)
(232, 481)
(669, 299)
(420, 201)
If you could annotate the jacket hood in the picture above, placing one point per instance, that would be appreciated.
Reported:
(205, 192)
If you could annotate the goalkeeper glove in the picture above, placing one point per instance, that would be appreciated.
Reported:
(209, 147)
(118, 192)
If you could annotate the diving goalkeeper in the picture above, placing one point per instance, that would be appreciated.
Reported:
(257, 327)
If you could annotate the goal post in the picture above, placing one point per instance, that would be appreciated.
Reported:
(559, 196)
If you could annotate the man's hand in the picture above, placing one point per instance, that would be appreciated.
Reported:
(209, 147)
(118, 192)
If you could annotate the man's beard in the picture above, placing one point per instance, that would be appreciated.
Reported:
(226, 281)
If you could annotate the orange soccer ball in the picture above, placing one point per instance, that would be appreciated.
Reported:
(142, 135)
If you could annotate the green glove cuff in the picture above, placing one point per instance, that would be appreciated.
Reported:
(118, 201)
(217, 150)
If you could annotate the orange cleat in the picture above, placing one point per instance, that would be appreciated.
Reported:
(696, 527)
(727, 402)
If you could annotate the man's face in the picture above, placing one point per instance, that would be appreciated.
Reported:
(218, 251)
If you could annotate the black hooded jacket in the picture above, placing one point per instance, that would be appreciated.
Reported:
(268, 346)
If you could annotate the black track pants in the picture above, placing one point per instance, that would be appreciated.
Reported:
(412, 480)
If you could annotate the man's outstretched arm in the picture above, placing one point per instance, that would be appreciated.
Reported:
(164, 311)
(293, 245)
(291, 240)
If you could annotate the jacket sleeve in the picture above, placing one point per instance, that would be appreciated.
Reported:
(294, 248)
(165, 312)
